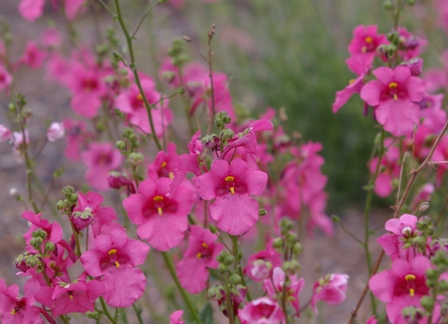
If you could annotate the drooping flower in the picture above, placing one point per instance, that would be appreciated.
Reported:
(201, 254)
(234, 210)
(160, 212)
(395, 96)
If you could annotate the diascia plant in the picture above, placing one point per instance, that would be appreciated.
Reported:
(192, 212)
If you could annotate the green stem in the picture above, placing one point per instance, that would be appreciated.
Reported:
(138, 312)
(186, 298)
(136, 76)
(106, 312)
(228, 300)
(29, 169)
(367, 214)
(240, 271)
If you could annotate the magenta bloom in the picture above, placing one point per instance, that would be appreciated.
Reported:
(261, 311)
(159, 213)
(366, 41)
(260, 265)
(33, 56)
(31, 9)
(113, 261)
(75, 297)
(276, 287)
(5, 78)
(234, 210)
(15, 310)
(176, 317)
(401, 286)
(200, 255)
(395, 96)
(331, 289)
(100, 159)
(130, 101)
(389, 169)
(400, 231)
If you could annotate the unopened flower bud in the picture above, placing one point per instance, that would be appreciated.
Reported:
(234, 279)
(73, 198)
(411, 2)
(277, 243)
(427, 302)
(67, 190)
(49, 247)
(297, 248)
(423, 206)
(118, 112)
(121, 145)
(388, 5)
(335, 219)
(181, 90)
(222, 268)
(61, 204)
(262, 212)
(135, 158)
(36, 242)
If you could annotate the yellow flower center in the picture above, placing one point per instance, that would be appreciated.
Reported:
(199, 255)
(368, 40)
(229, 178)
(204, 245)
(393, 85)
(409, 277)
(112, 252)
(163, 164)
(157, 198)
(117, 264)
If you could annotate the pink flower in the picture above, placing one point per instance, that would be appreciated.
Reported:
(130, 101)
(73, 8)
(55, 132)
(74, 297)
(175, 318)
(100, 159)
(395, 96)
(432, 112)
(33, 56)
(31, 9)
(76, 138)
(113, 260)
(401, 286)
(400, 231)
(280, 285)
(15, 310)
(331, 289)
(165, 164)
(261, 311)
(234, 210)
(87, 88)
(410, 45)
(5, 78)
(389, 169)
(160, 213)
(358, 65)
(260, 265)
(366, 41)
(200, 255)
(5, 134)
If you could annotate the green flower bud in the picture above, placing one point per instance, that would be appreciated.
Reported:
(67, 191)
(297, 248)
(118, 112)
(36, 242)
(277, 243)
(135, 158)
(61, 204)
(49, 247)
(121, 145)
(234, 279)
(181, 90)
(262, 212)
(388, 5)
(222, 268)
(427, 302)
(73, 198)
(335, 219)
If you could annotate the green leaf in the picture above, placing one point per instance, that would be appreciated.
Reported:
(206, 314)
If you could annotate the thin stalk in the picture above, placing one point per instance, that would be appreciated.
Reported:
(240, 271)
(136, 76)
(228, 300)
(105, 311)
(138, 312)
(186, 298)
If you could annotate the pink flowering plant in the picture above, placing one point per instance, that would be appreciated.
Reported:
(169, 202)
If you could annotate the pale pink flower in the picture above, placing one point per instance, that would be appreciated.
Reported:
(55, 132)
